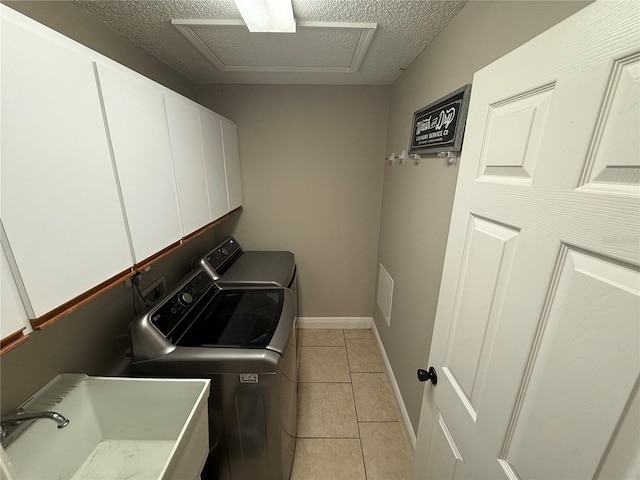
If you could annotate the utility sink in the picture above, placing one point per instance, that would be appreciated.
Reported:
(119, 428)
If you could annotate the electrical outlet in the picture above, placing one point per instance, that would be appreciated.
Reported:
(154, 291)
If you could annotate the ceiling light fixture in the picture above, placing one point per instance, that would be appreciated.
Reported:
(267, 15)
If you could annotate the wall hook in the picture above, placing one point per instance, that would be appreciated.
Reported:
(450, 156)
(417, 158)
(391, 158)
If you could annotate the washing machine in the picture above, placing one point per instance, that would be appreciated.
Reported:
(242, 338)
(230, 265)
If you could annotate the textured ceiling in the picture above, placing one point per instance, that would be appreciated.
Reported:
(404, 28)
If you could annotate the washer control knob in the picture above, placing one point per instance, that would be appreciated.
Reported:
(185, 298)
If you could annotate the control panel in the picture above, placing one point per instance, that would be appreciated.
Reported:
(174, 309)
(223, 253)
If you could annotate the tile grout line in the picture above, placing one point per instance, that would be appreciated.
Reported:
(326, 343)
(379, 421)
(355, 406)
(320, 381)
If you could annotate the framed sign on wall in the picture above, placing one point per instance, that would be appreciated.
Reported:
(439, 127)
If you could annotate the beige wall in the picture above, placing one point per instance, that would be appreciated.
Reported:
(72, 21)
(312, 166)
(417, 200)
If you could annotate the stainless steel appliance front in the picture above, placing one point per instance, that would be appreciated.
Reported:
(228, 264)
(243, 340)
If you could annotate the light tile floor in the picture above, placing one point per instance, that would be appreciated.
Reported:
(348, 425)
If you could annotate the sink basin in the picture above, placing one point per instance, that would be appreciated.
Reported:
(119, 428)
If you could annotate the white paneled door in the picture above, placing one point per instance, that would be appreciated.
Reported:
(537, 337)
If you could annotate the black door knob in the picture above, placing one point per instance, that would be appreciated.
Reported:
(424, 375)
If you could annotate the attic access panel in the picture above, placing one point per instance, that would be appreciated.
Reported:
(316, 47)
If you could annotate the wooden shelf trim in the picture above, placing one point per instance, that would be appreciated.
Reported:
(11, 341)
(172, 248)
(72, 305)
(54, 315)
(157, 256)
(210, 225)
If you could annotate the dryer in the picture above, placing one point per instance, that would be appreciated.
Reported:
(229, 264)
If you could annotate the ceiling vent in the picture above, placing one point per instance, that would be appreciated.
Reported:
(316, 47)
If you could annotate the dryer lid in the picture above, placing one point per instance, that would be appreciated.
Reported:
(261, 268)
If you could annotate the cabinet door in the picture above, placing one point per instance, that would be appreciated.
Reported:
(214, 163)
(13, 316)
(231, 163)
(137, 126)
(188, 162)
(60, 205)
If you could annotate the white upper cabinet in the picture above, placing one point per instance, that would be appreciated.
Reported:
(188, 162)
(137, 126)
(214, 163)
(100, 167)
(231, 163)
(13, 316)
(59, 200)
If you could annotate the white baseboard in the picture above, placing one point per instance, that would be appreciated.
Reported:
(335, 322)
(394, 387)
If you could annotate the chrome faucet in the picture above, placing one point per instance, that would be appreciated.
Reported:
(11, 423)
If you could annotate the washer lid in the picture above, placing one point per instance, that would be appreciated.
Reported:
(258, 267)
(236, 319)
